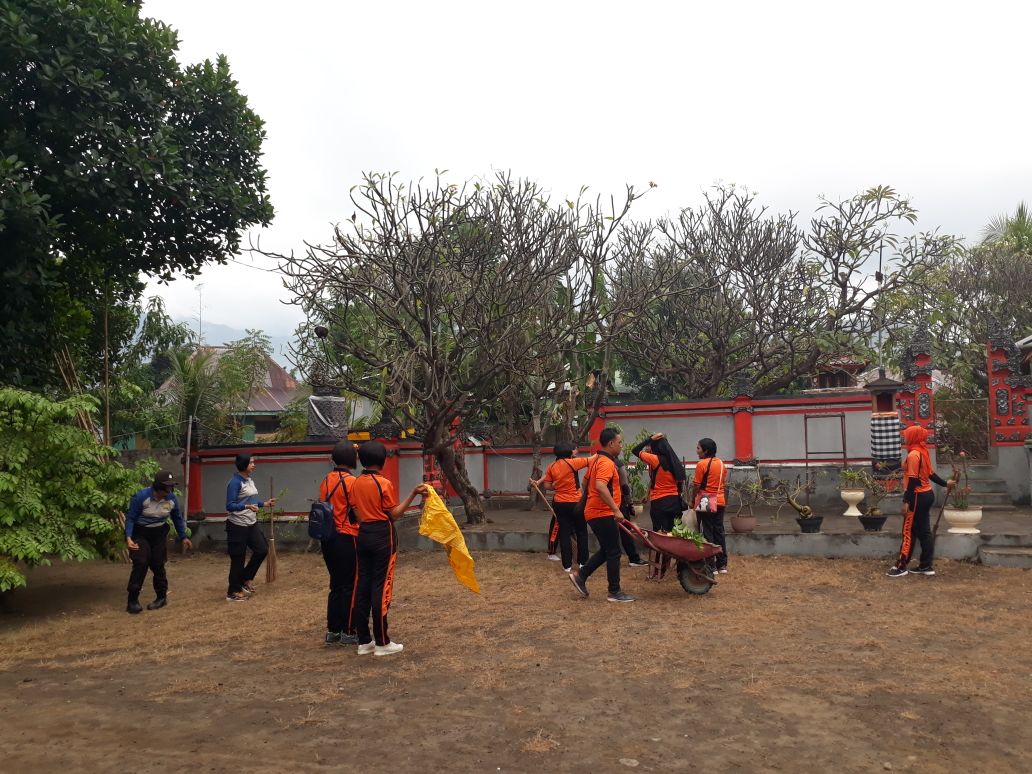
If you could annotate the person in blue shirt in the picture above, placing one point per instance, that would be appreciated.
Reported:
(242, 530)
(146, 535)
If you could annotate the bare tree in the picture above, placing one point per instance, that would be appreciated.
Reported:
(773, 300)
(438, 298)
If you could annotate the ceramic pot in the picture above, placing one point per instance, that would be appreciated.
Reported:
(853, 497)
(743, 524)
(962, 522)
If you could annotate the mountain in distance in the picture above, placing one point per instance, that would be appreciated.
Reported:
(216, 334)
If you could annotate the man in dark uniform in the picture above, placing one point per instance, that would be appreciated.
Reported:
(146, 535)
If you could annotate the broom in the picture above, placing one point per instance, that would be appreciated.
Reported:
(270, 561)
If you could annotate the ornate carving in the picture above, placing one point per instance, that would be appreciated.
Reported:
(1018, 379)
(997, 422)
(911, 386)
(739, 409)
(743, 386)
(998, 338)
(1011, 421)
(924, 405)
(1002, 401)
(921, 343)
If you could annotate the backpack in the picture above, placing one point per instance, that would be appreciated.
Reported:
(321, 524)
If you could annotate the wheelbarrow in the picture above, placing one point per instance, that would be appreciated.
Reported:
(689, 559)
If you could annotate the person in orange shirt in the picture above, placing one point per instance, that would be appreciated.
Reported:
(667, 477)
(339, 553)
(708, 488)
(917, 503)
(602, 512)
(563, 476)
(377, 508)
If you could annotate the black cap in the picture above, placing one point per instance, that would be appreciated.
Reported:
(165, 480)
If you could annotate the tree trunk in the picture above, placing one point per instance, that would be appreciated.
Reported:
(537, 437)
(453, 466)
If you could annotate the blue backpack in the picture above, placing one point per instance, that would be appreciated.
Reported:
(321, 524)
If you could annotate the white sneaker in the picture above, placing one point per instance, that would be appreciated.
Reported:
(388, 649)
(553, 557)
(365, 650)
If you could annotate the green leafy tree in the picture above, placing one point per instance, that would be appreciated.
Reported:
(61, 492)
(114, 161)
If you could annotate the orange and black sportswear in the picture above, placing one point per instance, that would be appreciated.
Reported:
(562, 475)
(373, 497)
(665, 484)
(337, 487)
(602, 468)
(714, 473)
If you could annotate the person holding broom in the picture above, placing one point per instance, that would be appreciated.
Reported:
(563, 476)
(146, 536)
(917, 504)
(377, 508)
(341, 551)
(242, 530)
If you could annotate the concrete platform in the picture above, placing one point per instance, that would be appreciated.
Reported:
(1005, 536)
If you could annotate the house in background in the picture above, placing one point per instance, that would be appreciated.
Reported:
(261, 420)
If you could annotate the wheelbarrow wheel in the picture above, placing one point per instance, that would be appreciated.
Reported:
(695, 577)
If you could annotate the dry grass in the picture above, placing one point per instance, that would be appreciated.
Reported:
(781, 642)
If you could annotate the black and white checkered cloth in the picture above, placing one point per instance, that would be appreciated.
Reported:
(885, 440)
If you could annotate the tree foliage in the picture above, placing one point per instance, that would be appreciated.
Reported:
(114, 160)
(60, 491)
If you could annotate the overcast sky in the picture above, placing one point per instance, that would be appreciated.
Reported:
(792, 99)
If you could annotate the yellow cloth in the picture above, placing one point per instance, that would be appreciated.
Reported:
(439, 525)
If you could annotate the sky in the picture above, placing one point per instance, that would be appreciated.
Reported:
(792, 99)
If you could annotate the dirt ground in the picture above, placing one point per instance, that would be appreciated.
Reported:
(789, 665)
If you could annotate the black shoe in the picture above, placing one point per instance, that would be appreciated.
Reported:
(897, 572)
(134, 606)
(620, 596)
(157, 604)
(923, 571)
(639, 562)
(332, 638)
(578, 583)
(349, 639)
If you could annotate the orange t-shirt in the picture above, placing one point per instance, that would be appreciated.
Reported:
(666, 484)
(339, 501)
(372, 504)
(716, 480)
(602, 469)
(912, 468)
(561, 475)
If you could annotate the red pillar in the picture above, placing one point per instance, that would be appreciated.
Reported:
(597, 426)
(1008, 399)
(915, 398)
(742, 411)
(196, 501)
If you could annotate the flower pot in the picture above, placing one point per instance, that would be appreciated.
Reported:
(743, 524)
(873, 523)
(811, 524)
(852, 498)
(963, 521)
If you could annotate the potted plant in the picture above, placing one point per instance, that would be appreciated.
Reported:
(878, 487)
(962, 516)
(748, 494)
(851, 489)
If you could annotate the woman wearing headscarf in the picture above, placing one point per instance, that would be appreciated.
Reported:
(667, 475)
(917, 503)
(242, 530)
(709, 499)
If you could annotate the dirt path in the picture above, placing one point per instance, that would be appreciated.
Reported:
(790, 665)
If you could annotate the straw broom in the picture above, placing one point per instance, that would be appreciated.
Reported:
(270, 560)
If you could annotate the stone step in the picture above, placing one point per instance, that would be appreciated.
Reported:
(1006, 557)
(990, 498)
(988, 484)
